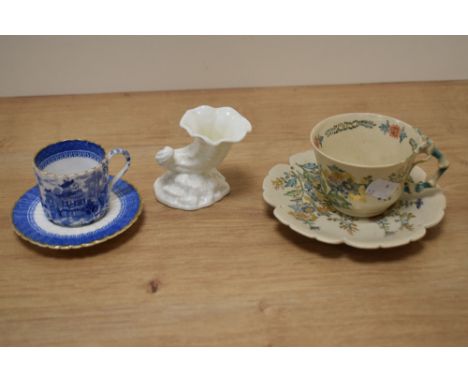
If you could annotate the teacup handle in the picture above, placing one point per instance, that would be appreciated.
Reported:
(124, 169)
(431, 151)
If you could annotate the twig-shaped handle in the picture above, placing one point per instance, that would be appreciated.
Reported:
(430, 150)
(124, 169)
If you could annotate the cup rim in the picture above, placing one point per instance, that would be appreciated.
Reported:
(74, 174)
(320, 123)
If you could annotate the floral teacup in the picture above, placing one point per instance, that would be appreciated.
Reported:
(365, 160)
(73, 180)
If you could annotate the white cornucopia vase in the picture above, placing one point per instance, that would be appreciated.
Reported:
(192, 180)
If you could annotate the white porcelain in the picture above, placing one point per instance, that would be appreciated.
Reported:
(192, 180)
(294, 191)
(366, 158)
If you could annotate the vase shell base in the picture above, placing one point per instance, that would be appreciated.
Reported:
(190, 191)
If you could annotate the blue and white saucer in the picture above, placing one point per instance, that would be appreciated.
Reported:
(31, 224)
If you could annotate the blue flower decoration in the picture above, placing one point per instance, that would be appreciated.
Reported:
(385, 127)
(291, 182)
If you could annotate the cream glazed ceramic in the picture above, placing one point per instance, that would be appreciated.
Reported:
(294, 191)
(365, 160)
(192, 180)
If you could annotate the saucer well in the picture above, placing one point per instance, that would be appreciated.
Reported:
(294, 192)
(31, 224)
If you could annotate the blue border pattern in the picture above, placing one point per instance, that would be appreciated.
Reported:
(53, 152)
(23, 218)
(69, 154)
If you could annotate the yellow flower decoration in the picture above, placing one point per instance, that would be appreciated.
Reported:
(307, 199)
(360, 196)
(277, 183)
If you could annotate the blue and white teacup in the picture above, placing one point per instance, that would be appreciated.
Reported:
(74, 183)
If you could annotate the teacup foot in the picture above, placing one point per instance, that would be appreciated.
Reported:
(362, 214)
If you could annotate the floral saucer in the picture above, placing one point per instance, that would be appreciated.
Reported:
(31, 224)
(294, 191)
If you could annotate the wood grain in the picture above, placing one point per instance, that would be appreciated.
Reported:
(231, 274)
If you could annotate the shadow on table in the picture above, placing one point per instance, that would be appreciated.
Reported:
(95, 250)
(356, 254)
(239, 179)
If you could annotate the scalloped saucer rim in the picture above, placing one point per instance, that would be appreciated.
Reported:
(323, 225)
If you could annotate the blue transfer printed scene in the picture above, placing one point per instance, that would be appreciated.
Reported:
(73, 200)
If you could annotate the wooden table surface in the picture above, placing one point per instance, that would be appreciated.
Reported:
(231, 274)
